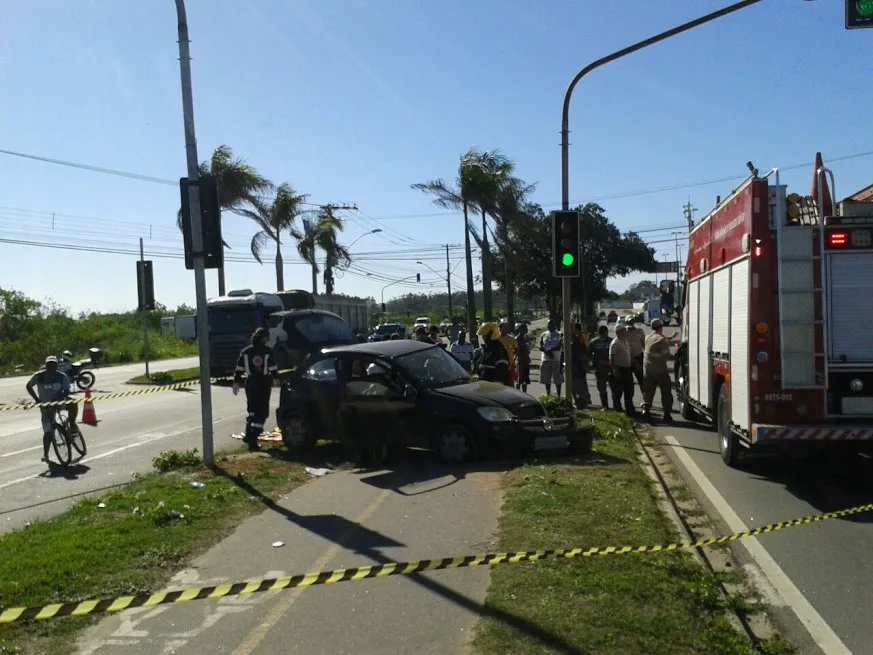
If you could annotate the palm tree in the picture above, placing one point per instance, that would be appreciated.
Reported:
(322, 234)
(274, 218)
(239, 183)
(489, 172)
(509, 211)
(459, 197)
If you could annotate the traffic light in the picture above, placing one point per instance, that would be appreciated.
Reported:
(145, 286)
(565, 244)
(418, 277)
(210, 222)
(859, 14)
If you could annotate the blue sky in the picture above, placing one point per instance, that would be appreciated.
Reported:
(354, 100)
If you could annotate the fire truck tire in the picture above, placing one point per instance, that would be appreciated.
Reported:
(728, 443)
(686, 411)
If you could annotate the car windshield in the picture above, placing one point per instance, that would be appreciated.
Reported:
(323, 328)
(388, 329)
(235, 321)
(433, 367)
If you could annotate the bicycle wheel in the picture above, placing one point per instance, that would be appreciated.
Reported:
(77, 440)
(61, 443)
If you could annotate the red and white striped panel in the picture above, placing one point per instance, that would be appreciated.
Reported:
(816, 433)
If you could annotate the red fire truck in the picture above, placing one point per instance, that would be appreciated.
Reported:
(778, 318)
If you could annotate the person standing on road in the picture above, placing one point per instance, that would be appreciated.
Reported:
(598, 349)
(52, 386)
(495, 361)
(636, 341)
(550, 366)
(657, 354)
(257, 364)
(622, 371)
(523, 339)
(511, 344)
(463, 351)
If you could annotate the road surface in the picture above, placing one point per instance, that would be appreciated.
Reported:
(108, 378)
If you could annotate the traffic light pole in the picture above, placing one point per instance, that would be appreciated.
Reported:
(196, 234)
(565, 152)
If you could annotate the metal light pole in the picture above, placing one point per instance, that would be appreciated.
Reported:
(196, 233)
(391, 284)
(565, 148)
(449, 283)
(376, 231)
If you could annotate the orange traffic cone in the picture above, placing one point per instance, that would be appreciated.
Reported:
(89, 415)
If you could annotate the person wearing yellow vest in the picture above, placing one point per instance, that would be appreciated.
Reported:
(511, 346)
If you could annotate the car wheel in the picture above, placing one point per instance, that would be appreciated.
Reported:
(297, 433)
(455, 444)
(728, 443)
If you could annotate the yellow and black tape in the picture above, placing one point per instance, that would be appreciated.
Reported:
(110, 605)
(123, 394)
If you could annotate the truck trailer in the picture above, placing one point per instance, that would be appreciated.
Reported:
(777, 315)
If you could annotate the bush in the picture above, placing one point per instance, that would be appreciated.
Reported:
(557, 406)
(171, 460)
(30, 330)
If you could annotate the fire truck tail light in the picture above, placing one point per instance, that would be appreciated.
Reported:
(762, 328)
(754, 374)
(838, 239)
(762, 342)
(763, 357)
(759, 250)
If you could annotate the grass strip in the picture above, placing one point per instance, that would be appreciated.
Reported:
(131, 540)
(168, 377)
(629, 604)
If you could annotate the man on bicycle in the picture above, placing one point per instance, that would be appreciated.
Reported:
(53, 385)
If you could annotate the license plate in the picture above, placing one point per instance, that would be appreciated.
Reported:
(550, 443)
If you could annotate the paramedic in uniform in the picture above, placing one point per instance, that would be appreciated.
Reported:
(258, 364)
(657, 354)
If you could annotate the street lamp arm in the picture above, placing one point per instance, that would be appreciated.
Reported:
(565, 116)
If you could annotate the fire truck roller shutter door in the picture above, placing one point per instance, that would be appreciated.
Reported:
(704, 344)
(693, 329)
(739, 346)
(721, 304)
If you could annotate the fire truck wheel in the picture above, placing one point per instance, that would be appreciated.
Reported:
(686, 411)
(728, 443)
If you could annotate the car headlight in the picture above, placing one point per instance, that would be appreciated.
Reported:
(493, 414)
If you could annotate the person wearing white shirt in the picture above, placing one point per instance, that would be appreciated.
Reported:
(550, 366)
(462, 350)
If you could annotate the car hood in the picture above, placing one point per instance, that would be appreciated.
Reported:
(488, 393)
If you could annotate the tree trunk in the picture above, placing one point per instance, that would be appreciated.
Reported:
(280, 269)
(487, 304)
(314, 280)
(507, 281)
(471, 290)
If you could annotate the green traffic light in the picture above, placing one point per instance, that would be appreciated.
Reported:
(865, 8)
(567, 259)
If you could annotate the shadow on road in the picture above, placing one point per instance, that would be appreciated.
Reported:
(828, 481)
(366, 542)
(72, 472)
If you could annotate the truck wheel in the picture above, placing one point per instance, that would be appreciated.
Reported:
(728, 443)
(297, 433)
(686, 411)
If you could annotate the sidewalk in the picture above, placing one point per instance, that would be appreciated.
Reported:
(342, 520)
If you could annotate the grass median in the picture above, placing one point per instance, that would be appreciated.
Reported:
(168, 377)
(131, 540)
(629, 604)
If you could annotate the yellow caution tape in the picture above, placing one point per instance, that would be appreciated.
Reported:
(109, 605)
(123, 394)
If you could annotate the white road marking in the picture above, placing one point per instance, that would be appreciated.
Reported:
(23, 450)
(792, 597)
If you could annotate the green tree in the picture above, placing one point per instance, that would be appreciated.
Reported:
(239, 184)
(322, 234)
(274, 218)
(605, 251)
(509, 210)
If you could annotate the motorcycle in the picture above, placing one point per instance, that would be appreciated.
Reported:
(78, 371)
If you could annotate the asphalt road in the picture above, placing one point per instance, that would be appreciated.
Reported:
(131, 431)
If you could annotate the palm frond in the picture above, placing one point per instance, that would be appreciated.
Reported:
(259, 242)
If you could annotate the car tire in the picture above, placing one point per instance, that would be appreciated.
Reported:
(455, 444)
(728, 443)
(297, 433)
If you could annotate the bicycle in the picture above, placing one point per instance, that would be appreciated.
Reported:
(66, 438)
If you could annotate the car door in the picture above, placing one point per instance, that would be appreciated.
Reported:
(374, 403)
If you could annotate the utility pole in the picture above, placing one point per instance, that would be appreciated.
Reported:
(196, 232)
(688, 212)
(145, 324)
(449, 283)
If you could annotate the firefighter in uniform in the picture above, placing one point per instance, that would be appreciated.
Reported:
(495, 360)
(257, 364)
(657, 354)
(598, 350)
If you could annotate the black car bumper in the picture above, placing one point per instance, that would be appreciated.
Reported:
(539, 434)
